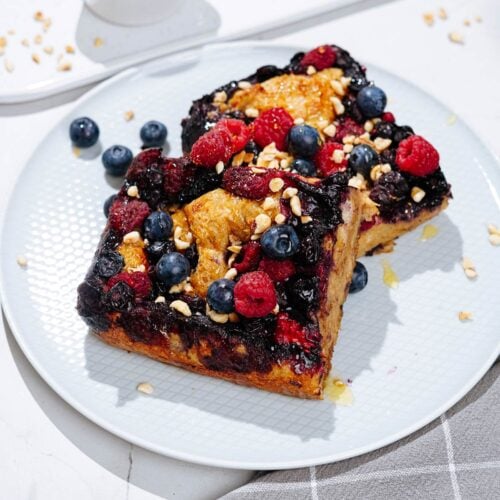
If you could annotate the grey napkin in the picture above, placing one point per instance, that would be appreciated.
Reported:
(455, 457)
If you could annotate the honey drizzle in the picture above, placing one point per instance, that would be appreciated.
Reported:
(337, 391)
(429, 231)
(390, 277)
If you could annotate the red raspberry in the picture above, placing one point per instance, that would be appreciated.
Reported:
(254, 295)
(139, 282)
(278, 270)
(241, 181)
(178, 174)
(212, 147)
(324, 159)
(417, 156)
(321, 58)
(388, 117)
(126, 215)
(348, 127)
(250, 256)
(289, 331)
(238, 132)
(142, 161)
(272, 125)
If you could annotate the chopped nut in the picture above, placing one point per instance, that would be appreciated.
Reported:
(160, 299)
(255, 237)
(348, 148)
(417, 194)
(305, 219)
(442, 14)
(330, 131)
(178, 288)
(478, 19)
(231, 274)
(357, 181)
(181, 306)
(337, 87)
(38, 16)
(289, 192)
(76, 151)
(132, 237)
(311, 70)
(262, 222)
(219, 167)
(38, 39)
(9, 65)
(456, 37)
(234, 248)
(428, 18)
(180, 244)
(269, 203)
(238, 159)
(276, 184)
(276, 309)
(35, 58)
(217, 317)
(466, 22)
(46, 24)
(69, 49)
(345, 81)
(494, 239)
(133, 191)
(98, 42)
(337, 105)
(22, 261)
(464, 315)
(368, 126)
(338, 156)
(469, 268)
(376, 173)
(64, 66)
(274, 164)
(298, 121)
(258, 170)
(231, 259)
(220, 97)
(492, 229)
(252, 112)
(145, 388)
(244, 85)
(25, 42)
(128, 115)
(381, 143)
(280, 219)
(348, 139)
(295, 205)
(48, 50)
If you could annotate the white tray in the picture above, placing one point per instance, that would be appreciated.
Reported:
(406, 352)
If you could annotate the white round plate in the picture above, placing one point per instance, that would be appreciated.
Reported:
(406, 352)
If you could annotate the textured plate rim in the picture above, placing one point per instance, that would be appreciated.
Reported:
(193, 457)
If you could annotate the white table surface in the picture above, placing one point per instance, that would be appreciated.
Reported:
(48, 450)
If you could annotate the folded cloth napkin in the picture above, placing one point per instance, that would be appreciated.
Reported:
(455, 457)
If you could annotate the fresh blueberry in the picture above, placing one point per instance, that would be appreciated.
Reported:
(153, 134)
(280, 242)
(158, 226)
(220, 296)
(303, 140)
(107, 204)
(359, 278)
(108, 264)
(117, 159)
(372, 101)
(156, 249)
(172, 268)
(83, 132)
(304, 167)
(362, 159)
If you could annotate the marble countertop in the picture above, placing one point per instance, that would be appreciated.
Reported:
(49, 449)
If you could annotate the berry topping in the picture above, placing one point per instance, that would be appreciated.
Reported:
(107, 204)
(139, 282)
(388, 117)
(359, 278)
(254, 295)
(384, 129)
(346, 127)
(220, 296)
(83, 132)
(280, 242)
(278, 270)
(250, 254)
(303, 140)
(304, 167)
(212, 147)
(156, 249)
(108, 264)
(321, 58)
(402, 133)
(289, 331)
(158, 226)
(372, 101)
(417, 156)
(172, 268)
(362, 159)
(127, 215)
(239, 133)
(329, 162)
(272, 125)
(304, 293)
(117, 159)
(178, 174)
(120, 296)
(241, 181)
(390, 188)
(153, 134)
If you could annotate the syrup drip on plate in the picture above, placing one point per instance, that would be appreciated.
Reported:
(390, 277)
(429, 231)
(337, 391)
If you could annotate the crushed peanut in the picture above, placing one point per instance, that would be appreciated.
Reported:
(276, 184)
(220, 97)
(417, 194)
(469, 268)
(35, 58)
(442, 14)
(276, 309)
(252, 112)
(289, 192)
(464, 315)
(368, 126)
(69, 49)
(244, 85)
(38, 16)
(132, 237)
(337, 87)
(428, 18)
(348, 139)
(456, 37)
(231, 274)
(305, 219)
(348, 148)
(98, 42)
(466, 22)
(494, 239)
(145, 388)
(234, 248)
(217, 317)
(280, 219)
(330, 130)
(64, 66)
(38, 39)
(381, 144)
(298, 121)
(338, 156)
(128, 115)
(311, 70)
(295, 205)
(160, 299)
(22, 261)
(181, 306)
(262, 222)
(219, 167)
(337, 105)
(269, 203)
(48, 49)
(133, 191)
(357, 181)
(180, 244)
